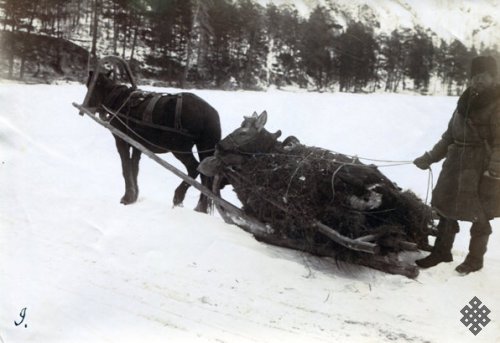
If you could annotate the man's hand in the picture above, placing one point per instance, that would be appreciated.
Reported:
(423, 162)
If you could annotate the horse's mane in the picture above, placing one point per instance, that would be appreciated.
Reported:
(117, 96)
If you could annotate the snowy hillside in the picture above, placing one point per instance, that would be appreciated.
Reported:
(471, 22)
(88, 269)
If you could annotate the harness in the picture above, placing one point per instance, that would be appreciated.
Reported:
(137, 98)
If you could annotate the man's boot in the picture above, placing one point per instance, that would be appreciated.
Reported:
(441, 252)
(480, 233)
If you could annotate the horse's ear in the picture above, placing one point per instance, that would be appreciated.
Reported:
(261, 121)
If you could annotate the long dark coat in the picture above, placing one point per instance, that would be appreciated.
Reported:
(476, 119)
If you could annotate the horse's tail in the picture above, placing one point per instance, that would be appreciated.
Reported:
(212, 131)
(208, 133)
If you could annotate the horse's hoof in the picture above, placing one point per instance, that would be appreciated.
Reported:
(177, 201)
(201, 209)
(127, 200)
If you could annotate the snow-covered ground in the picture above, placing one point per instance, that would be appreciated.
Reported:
(88, 269)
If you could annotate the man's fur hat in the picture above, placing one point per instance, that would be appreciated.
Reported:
(483, 64)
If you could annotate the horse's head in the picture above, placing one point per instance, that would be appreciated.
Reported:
(108, 72)
(250, 138)
(99, 84)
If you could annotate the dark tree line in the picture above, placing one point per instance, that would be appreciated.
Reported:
(239, 43)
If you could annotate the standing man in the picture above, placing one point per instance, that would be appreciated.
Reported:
(465, 189)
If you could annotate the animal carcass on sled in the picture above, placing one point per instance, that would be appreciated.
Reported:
(314, 200)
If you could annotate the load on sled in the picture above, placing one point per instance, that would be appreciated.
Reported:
(314, 200)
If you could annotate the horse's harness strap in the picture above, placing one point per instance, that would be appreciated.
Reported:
(148, 113)
(178, 110)
(136, 97)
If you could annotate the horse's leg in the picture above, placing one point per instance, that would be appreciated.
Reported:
(191, 165)
(131, 191)
(204, 151)
(136, 156)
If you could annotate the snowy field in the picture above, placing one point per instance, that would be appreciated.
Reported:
(88, 269)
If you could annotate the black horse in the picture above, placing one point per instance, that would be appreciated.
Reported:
(162, 123)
